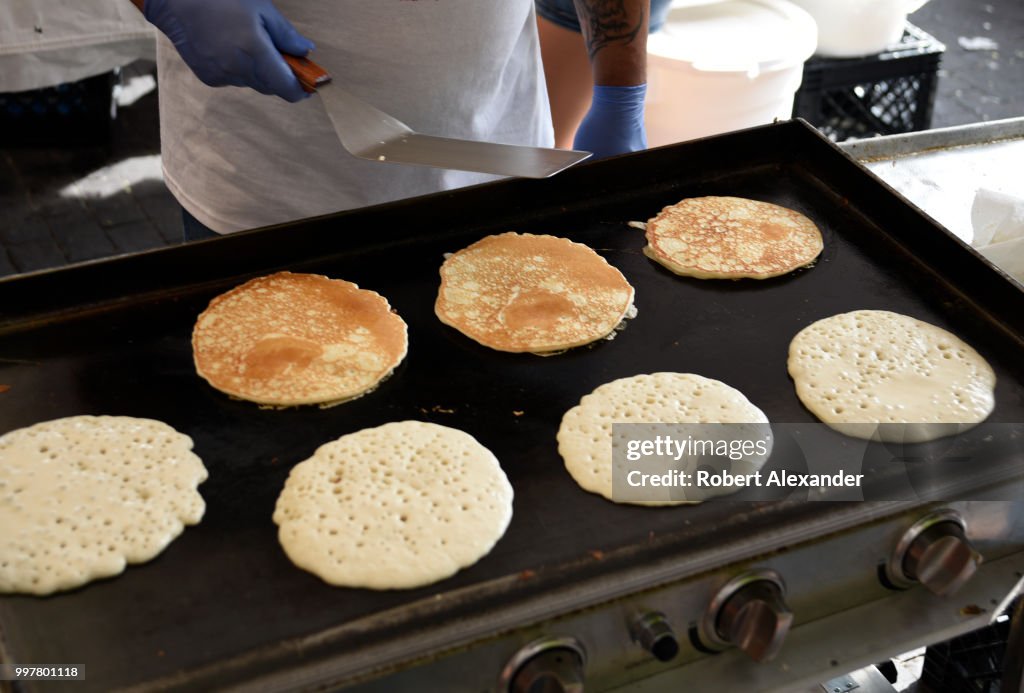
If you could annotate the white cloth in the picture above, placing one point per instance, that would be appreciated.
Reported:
(47, 42)
(236, 159)
(998, 221)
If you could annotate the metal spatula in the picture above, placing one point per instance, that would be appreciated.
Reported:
(369, 133)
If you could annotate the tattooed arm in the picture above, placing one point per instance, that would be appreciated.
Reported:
(615, 32)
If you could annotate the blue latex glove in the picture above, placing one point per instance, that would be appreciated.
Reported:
(233, 42)
(615, 122)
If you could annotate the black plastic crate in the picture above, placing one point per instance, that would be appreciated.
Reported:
(883, 94)
(971, 663)
(80, 112)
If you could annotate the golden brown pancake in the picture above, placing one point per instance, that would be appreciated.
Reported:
(289, 339)
(529, 293)
(731, 238)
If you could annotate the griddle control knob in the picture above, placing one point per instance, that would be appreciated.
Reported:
(750, 613)
(655, 635)
(935, 552)
(548, 665)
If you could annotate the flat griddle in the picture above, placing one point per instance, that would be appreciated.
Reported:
(223, 603)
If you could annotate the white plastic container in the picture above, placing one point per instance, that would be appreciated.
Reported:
(725, 65)
(858, 27)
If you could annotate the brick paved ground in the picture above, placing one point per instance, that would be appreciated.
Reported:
(61, 204)
(68, 201)
(977, 85)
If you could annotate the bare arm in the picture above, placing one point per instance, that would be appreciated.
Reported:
(139, 4)
(615, 32)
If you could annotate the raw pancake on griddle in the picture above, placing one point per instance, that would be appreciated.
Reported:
(289, 339)
(731, 238)
(394, 507)
(83, 496)
(529, 293)
(883, 375)
(586, 437)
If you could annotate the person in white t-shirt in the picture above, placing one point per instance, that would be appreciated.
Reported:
(471, 69)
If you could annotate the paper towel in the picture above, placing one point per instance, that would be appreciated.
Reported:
(998, 221)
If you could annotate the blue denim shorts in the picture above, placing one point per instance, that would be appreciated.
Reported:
(563, 13)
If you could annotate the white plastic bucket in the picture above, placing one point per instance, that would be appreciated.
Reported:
(725, 65)
(858, 27)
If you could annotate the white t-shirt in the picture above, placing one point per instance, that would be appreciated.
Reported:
(237, 159)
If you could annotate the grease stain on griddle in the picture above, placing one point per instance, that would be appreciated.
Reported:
(437, 409)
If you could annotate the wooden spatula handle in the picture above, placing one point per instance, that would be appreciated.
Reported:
(310, 74)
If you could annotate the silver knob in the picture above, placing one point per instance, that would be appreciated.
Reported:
(549, 665)
(655, 635)
(750, 613)
(935, 552)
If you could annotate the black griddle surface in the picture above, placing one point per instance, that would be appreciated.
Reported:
(114, 338)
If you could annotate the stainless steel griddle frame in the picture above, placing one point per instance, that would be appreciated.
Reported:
(974, 134)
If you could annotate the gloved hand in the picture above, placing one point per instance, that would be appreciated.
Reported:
(233, 42)
(615, 122)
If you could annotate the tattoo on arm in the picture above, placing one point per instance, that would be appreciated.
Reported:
(608, 22)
